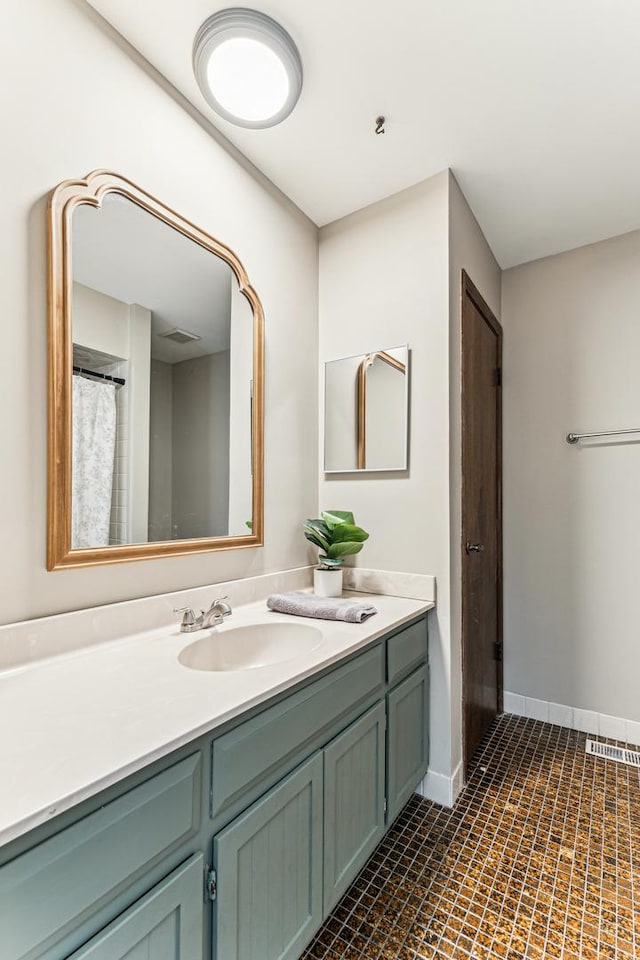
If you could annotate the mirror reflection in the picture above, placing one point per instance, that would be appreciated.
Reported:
(162, 385)
(366, 411)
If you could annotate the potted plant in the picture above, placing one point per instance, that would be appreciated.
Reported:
(337, 536)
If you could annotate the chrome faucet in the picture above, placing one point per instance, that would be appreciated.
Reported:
(213, 617)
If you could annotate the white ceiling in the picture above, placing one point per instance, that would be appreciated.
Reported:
(124, 252)
(534, 104)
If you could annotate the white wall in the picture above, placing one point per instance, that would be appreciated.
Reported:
(572, 513)
(72, 101)
(384, 281)
(390, 274)
(468, 250)
(100, 322)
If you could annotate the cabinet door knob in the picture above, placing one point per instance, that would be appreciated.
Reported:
(474, 547)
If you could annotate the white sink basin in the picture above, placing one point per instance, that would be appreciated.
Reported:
(252, 646)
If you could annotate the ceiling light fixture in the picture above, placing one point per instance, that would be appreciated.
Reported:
(247, 67)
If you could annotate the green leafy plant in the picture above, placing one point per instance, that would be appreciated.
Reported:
(336, 534)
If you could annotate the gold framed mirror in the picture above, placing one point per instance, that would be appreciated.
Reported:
(156, 382)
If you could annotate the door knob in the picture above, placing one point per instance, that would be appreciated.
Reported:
(474, 547)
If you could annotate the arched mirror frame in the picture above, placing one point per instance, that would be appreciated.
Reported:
(62, 203)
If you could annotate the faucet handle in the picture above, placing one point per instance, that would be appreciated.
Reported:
(223, 604)
(189, 618)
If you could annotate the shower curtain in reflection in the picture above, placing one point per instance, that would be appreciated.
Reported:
(94, 445)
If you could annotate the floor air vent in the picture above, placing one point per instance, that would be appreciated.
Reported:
(619, 754)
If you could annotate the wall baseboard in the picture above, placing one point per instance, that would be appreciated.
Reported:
(587, 721)
(441, 789)
(444, 790)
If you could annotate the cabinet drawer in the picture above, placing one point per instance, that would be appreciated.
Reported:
(254, 756)
(58, 884)
(406, 650)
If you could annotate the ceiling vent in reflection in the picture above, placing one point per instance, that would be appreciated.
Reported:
(180, 336)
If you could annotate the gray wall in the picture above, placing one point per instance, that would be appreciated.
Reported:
(572, 514)
(151, 139)
(160, 450)
(200, 493)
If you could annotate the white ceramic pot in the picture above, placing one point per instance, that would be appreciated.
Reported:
(327, 583)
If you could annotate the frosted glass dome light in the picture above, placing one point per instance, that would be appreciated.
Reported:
(247, 67)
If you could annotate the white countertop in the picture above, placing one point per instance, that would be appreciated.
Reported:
(77, 723)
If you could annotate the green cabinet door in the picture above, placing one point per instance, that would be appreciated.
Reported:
(89, 866)
(166, 924)
(269, 872)
(353, 801)
(407, 739)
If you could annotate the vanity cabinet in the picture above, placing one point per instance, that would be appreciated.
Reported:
(166, 924)
(407, 739)
(236, 846)
(354, 801)
(83, 871)
(258, 752)
(407, 714)
(269, 872)
(282, 865)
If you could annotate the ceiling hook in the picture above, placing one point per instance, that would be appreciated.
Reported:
(380, 121)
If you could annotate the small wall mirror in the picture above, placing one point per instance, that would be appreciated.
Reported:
(366, 411)
(156, 382)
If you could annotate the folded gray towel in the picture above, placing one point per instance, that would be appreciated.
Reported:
(323, 608)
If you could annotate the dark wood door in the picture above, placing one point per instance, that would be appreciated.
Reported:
(481, 517)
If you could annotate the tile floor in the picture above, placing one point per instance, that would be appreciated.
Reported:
(539, 858)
